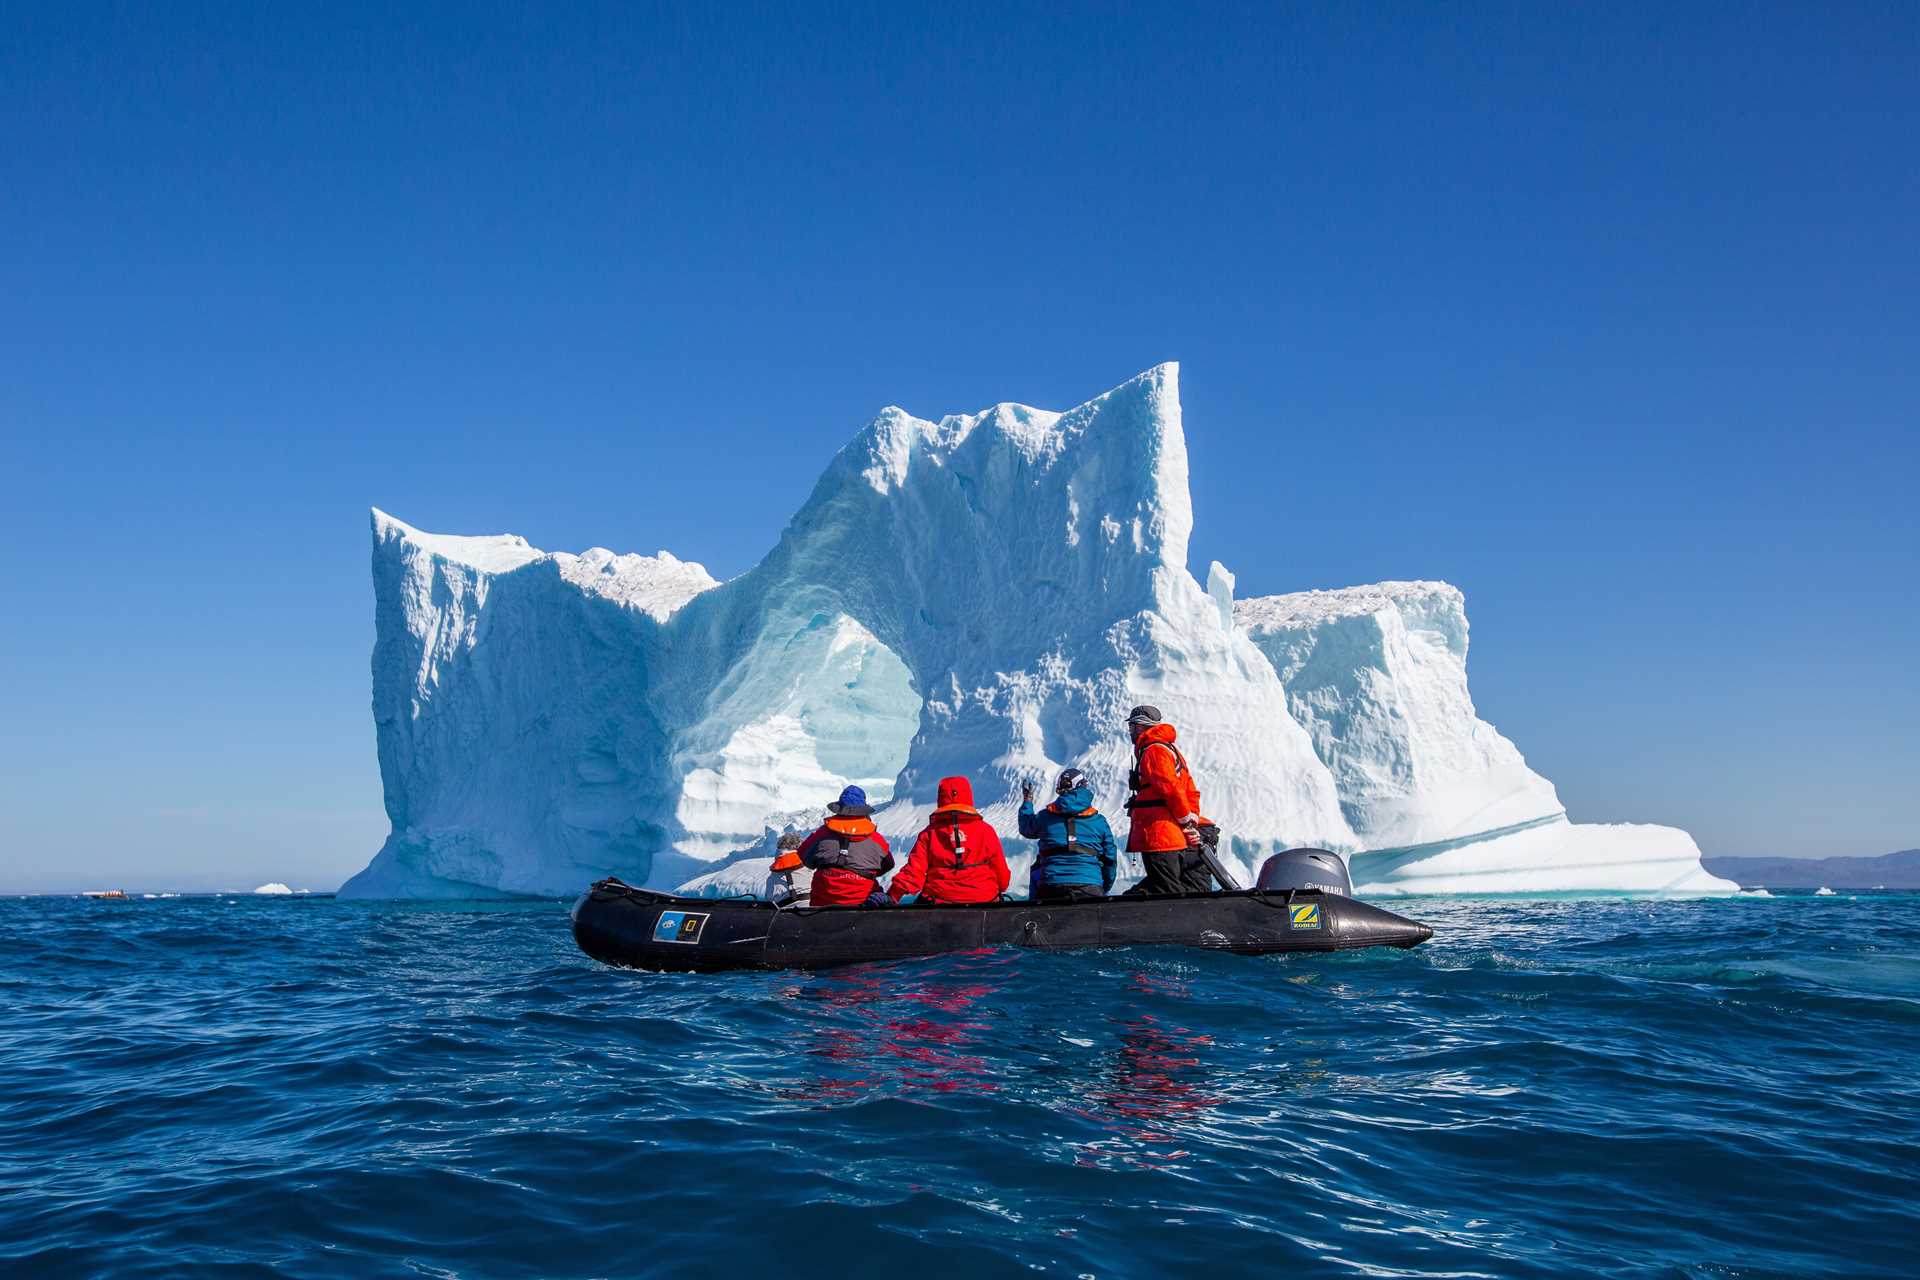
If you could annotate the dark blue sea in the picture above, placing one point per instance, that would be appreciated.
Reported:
(288, 1087)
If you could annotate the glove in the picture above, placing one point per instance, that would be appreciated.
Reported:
(1190, 828)
(1026, 792)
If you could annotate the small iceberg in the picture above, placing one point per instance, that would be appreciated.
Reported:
(275, 888)
(1823, 892)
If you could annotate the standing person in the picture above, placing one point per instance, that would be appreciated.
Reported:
(847, 855)
(788, 879)
(1165, 809)
(957, 857)
(1076, 856)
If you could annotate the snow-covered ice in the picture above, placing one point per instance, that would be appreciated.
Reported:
(1378, 675)
(274, 888)
(986, 594)
(1439, 800)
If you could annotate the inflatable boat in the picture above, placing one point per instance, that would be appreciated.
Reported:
(642, 929)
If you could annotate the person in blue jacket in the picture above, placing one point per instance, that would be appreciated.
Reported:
(1077, 857)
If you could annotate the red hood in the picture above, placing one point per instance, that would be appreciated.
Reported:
(954, 793)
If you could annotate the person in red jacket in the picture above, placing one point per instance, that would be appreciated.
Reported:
(1165, 810)
(847, 855)
(957, 857)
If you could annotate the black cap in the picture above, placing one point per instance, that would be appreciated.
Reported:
(1069, 779)
(1144, 715)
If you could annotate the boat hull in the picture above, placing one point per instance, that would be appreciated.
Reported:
(641, 929)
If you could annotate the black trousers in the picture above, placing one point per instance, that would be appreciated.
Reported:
(1175, 871)
(1068, 893)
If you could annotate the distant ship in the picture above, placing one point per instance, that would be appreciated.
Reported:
(109, 895)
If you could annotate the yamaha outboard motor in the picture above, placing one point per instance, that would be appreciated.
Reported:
(1305, 869)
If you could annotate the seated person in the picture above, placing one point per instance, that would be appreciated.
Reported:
(957, 857)
(1077, 857)
(788, 879)
(847, 855)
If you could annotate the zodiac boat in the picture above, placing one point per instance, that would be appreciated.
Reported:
(1300, 904)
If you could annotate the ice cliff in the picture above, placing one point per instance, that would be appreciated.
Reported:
(986, 594)
(1439, 801)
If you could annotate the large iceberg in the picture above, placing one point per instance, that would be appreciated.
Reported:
(986, 594)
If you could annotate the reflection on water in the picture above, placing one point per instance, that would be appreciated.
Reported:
(893, 1031)
(905, 1035)
(1153, 1084)
(318, 1089)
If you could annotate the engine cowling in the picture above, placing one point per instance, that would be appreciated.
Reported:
(1320, 869)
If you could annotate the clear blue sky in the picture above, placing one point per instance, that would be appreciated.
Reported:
(1608, 314)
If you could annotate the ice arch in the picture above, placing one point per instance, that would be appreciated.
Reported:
(1029, 570)
(817, 704)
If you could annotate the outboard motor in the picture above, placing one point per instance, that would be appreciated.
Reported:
(1305, 869)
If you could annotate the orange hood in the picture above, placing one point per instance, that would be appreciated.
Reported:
(1155, 733)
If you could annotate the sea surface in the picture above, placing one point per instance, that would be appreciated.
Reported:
(304, 1087)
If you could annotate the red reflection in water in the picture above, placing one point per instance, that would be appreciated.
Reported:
(1154, 1085)
(906, 1037)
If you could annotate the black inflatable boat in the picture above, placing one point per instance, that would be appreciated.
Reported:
(620, 924)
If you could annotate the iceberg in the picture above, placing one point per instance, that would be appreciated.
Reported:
(1439, 801)
(983, 594)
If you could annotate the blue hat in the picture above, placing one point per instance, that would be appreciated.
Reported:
(851, 804)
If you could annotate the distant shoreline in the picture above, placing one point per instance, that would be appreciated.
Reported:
(1888, 871)
(143, 894)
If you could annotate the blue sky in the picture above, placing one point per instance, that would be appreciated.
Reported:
(1607, 314)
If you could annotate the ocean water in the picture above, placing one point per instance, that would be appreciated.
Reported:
(318, 1088)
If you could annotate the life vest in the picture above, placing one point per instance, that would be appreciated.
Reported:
(1072, 846)
(952, 837)
(848, 857)
(1164, 795)
(955, 858)
(868, 856)
(1135, 780)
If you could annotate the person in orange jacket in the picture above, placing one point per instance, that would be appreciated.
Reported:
(957, 857)
(1164, 810)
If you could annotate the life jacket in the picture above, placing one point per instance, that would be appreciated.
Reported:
(1072, 845)
(950, 839)
(1082, 855)
(781, 885)
(1161, 798)
(849, 835)
(956, 858)
(1135, 781)
(848, 856)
